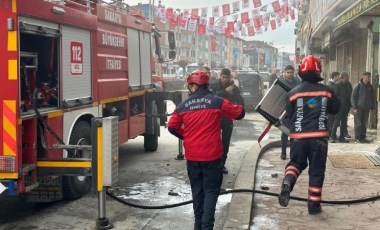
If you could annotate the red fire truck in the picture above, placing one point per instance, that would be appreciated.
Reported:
(63, 63)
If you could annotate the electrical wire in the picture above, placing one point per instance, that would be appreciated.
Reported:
(334, 202)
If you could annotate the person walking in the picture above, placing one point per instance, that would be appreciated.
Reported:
(289, 80)
(306, 106)
(273, 76)
(343, 91)
(226, 89)
(235, 78)
(363, 100)
(334, 78)
(197, 121)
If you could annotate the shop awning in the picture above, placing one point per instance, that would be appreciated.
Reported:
(357, 9)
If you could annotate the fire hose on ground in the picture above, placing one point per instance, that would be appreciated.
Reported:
(332, 202)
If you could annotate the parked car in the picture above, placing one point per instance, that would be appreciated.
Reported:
(252, 88)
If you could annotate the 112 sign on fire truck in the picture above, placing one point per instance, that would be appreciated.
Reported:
(64, 63)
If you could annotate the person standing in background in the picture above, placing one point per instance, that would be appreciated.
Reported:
(226, 89)
(289, 80)
(334, 78)
(235, 78)
(363, 100)
(343, 91)
(273, 76)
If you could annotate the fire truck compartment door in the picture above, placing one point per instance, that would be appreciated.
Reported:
(139, 57)
(76, 63)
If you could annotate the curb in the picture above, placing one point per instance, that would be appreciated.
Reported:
(239, 212)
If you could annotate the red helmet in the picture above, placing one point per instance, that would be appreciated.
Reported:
(198, 77)
(310, 64)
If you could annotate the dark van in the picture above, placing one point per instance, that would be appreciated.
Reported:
(252, 88)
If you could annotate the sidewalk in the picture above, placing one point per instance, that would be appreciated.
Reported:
(349, 175)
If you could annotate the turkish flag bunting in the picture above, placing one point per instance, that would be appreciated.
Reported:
(226, 9)
(211, 21)
(292, 14)
(251, 31)
(273, 24)
(169, 13)
(244, 17)
(173, 20)
(258, 21)
(182, 21)
(201, 29)
(285, 9)
(230, 26)
(227, 32)
(194, 13)
(256, 3)
(276, 6)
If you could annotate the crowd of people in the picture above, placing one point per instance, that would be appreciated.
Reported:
(314, 112)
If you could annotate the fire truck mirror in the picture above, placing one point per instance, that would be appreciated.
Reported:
(171, 40)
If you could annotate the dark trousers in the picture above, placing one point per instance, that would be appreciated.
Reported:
(340, 119)
(330, 122)
(226, 139)
(360, 122)
(205, 180)
(313, 150)
(284, 142)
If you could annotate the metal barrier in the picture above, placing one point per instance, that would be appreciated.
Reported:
(105, 161)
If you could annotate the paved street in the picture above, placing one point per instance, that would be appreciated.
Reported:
(145, 178)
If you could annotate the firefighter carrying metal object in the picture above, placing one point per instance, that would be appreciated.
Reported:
(307, 106)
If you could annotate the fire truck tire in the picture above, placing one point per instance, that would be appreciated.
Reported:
(151, 140)
(75, 187)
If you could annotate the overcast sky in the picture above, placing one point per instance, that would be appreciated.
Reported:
(283, 37)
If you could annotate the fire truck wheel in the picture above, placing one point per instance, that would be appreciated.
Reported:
(75, 187)
(151, 140)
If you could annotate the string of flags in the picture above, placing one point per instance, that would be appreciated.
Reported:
(239, 18)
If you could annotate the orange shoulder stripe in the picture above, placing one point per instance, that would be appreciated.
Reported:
(311, 94)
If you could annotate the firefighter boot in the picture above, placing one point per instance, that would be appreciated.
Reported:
(286, 187)
(314, 207)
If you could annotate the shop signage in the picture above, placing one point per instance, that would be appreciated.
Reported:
(359, 8)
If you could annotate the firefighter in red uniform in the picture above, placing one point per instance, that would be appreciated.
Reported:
(307, 106)
(197, 121)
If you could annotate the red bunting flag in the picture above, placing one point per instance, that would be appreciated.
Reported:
(285, 9)
(258, 21)
(276, 6)
(292, 14)
(194, 13)
(169, 13)
(227, 33)
(244, 17)
(273, 24)
(226, 9)
(211, 21)
(182, 21)
(201, 29)
(251, 31)
(256, 3)
(230, 26)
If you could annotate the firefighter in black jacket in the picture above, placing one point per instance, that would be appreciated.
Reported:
(307, 106)
(226, 89)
